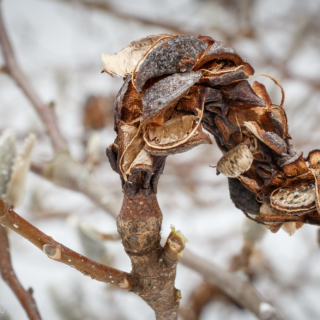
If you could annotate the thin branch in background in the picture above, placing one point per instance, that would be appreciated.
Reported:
(240, 291)
(44, 111)
(9, 276)
(106, 7)
(56, 251)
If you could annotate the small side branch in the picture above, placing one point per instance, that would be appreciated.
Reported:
(58, 252)
(44, 111)
(8, 275)
(240, 291)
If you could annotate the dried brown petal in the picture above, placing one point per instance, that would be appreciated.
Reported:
(174, 55)
(271, 139)
(165, 94)
(242, 94)
(236, 161)
(123, 62)
(294, 199)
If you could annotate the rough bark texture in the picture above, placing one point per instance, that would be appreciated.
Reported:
(154, 270)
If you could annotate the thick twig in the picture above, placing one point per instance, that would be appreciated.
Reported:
(56, 251)
(240, 291)
(44, 111)
(9, 276)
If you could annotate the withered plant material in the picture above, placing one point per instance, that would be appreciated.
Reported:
(165, 94)
(175, 55)
(238, 160)
(243, 198)
(220, 52)
(123, 62)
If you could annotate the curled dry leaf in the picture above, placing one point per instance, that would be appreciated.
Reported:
(237, 161)
(7, 156)
(174, 55)
(165, 94)
(16, 186)
(123, 62)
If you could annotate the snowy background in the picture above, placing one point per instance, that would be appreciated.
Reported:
(58, 43)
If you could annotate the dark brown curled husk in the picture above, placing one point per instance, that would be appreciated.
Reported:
(242, 198)
(224, 79)
(242, 93)
(165, 94)
(219, 107)
(128, 104)
(118, 102)
(221, 51)
(112, 154)
(174, 55)
(195, 140)
(158, 167)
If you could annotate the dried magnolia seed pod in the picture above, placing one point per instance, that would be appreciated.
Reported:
(236, 161)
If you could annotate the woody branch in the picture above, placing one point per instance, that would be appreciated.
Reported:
(58, 252)
(44, 111)
(9, 276)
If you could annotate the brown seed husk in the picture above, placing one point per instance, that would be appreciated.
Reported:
(294, 199)
(236, 161)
